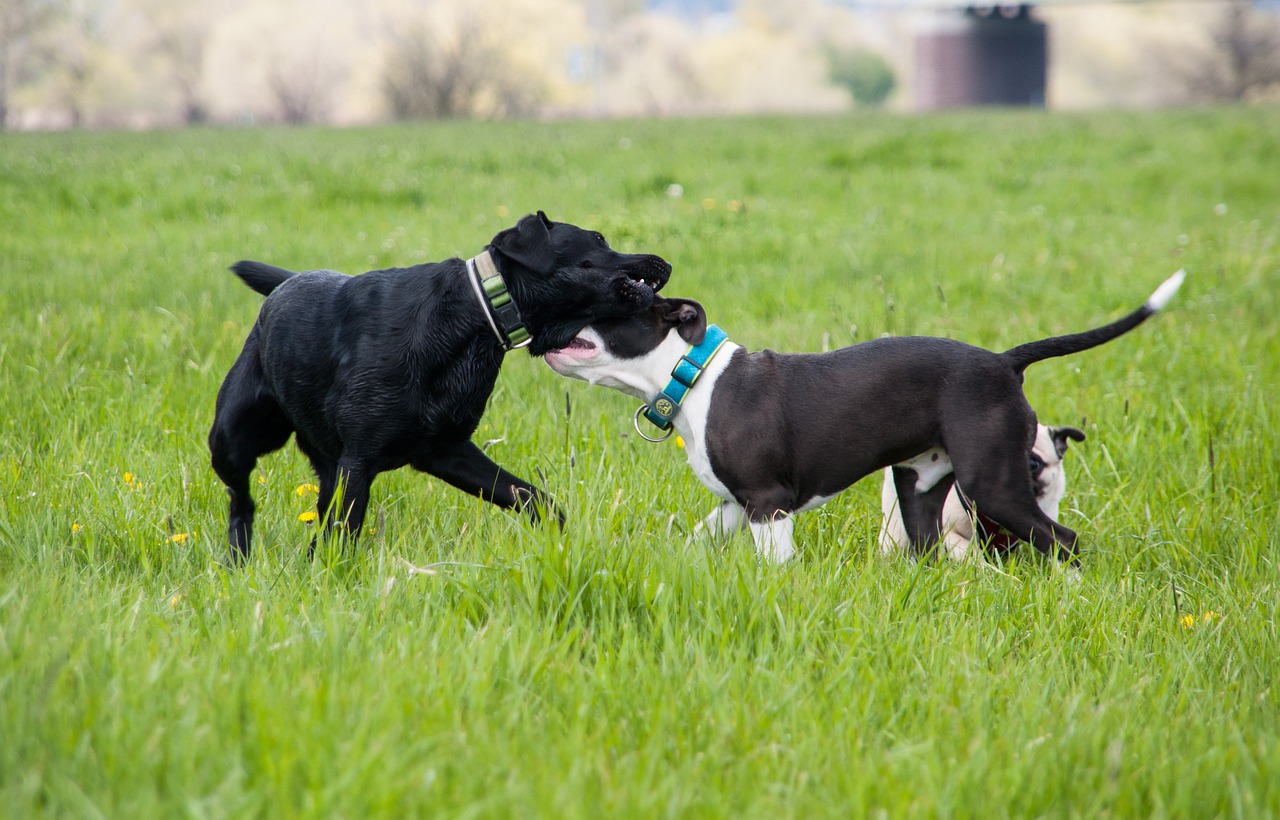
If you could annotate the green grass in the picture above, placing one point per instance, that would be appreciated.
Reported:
(612, 670)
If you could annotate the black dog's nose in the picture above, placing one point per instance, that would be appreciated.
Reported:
(654, 271)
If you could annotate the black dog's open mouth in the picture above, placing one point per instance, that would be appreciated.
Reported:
(640, 291)
(628, 291)
(653, 271)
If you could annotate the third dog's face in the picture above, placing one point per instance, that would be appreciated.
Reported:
(1049, 479)
(564, 277)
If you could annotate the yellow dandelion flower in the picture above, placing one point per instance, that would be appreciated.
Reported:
(303, 489)
(262, 479)
(173, 602)
(503, 211)
(1211, 616)
(734, 205)
(1188, 621)
(77, 527)
(129, 478)
(179, 537)
(308, 516)
(709, 204)
(679, 442)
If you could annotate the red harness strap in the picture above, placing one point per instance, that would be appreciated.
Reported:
(996, 536)
(986, 529)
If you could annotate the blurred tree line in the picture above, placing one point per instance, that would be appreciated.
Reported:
(137, 63)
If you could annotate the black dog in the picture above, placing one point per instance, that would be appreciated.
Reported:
(395, 366)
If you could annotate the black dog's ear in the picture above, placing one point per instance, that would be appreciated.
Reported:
(689, 318)
(528, 243)
(1060, 436)
(545, 220)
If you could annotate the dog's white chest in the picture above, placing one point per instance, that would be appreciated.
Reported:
(701, 465)
(691, 424)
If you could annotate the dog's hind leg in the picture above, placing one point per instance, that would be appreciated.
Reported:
(463, 465)
(1011, 503)
(989, 445)
(327, 476)
(772, 537)
(247, 424)
(1037, 529)
(770, 521)
(348, 499)
(235, 474)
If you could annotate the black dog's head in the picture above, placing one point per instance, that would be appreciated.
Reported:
(563, 278)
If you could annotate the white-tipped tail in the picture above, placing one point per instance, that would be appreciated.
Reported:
(1166, 291)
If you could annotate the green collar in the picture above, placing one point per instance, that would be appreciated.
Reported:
(666, 405)
(496, 302)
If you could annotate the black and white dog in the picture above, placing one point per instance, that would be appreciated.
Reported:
(394, 367)
(776, 434)
(953, 523)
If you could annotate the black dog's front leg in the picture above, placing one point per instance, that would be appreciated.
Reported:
(463, 465)
(343, 499)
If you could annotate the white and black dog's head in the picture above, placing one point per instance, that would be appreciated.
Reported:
(1046, 465)
(633, 354)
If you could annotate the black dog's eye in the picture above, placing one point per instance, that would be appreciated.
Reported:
(1036, 465)
(586, 263)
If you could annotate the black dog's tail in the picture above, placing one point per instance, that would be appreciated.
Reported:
(260, 276)
(1023, 355)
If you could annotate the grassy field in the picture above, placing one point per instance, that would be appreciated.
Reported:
(612, 670)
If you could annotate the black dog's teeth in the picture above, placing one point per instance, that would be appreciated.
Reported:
(636, 289)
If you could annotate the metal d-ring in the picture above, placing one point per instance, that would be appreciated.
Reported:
(636, 421)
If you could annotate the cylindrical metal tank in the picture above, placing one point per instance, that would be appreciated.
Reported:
(989, 55)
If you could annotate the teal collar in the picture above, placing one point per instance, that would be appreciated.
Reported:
(666, 405)
(496, 302)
